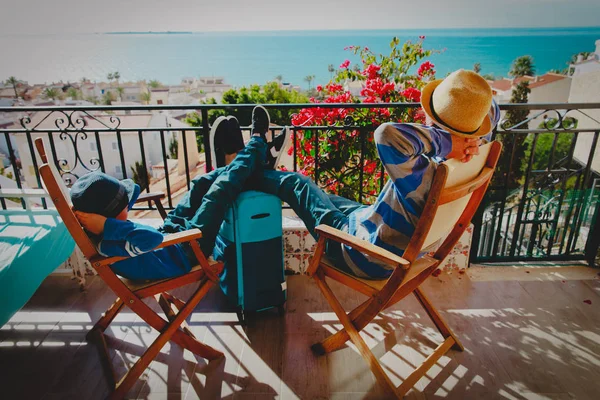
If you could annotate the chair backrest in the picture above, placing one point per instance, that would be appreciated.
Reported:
(61, 198)
(453, 187)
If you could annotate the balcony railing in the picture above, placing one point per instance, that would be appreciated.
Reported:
(542, 204)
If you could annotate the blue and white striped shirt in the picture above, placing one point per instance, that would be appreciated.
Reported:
(410, 154)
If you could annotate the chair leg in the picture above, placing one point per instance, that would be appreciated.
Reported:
(107, 318)
(169, 331)
(165, 300)
(437, 319)
(374, 365)
(338, 340)
(179, 337)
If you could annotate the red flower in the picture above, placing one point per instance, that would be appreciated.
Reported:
(422, 37)
(426, 69)
(334, 87)
(412, 94)
(345, 64)
(372, 71)
(319, 88)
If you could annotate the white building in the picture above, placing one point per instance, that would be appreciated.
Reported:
(586, 89)
(547, 88)
(159, 96)
(88, 146)
(590, 64)
(206, 84)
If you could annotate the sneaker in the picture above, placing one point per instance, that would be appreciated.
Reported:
(234, 140)
(217, 132)
(225, 138)
(275, 148)
(260, 121)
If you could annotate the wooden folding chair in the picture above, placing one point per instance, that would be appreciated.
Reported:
(131, 293)
(457, 189)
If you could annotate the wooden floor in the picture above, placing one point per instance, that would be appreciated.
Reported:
(523, 340)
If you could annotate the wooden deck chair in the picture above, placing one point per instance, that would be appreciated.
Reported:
(130, 293)
(457, 189)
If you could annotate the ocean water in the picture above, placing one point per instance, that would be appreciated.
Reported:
(256, 57)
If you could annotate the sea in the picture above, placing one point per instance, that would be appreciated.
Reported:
(245, 58)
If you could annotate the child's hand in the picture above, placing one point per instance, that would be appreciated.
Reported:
(91, 222)
(464, 148)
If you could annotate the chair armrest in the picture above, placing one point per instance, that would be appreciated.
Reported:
(156, 198)
(150, 197)
(362, 246)
(169, 240)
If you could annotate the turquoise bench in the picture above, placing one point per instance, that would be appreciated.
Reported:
(33, 243)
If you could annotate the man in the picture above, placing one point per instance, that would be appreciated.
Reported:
(460, 110)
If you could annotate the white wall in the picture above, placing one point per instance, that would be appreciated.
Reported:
(87, 151)
(554, 92)
(585, 88)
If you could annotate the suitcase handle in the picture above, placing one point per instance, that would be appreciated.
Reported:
(260, 216)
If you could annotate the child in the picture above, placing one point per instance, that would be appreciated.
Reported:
(101, 203)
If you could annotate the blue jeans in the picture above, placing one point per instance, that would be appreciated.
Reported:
(206, 203)
(312, 205)
(204, 206)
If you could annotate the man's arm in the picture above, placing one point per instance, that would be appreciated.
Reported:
(400, 146)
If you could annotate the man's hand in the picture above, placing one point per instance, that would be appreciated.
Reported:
(92, 222)
(464, 149)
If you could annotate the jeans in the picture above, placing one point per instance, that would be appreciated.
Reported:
(204, 206)
(206, 203)
(312, 205)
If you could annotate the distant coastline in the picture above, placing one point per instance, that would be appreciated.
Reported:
(151, 33)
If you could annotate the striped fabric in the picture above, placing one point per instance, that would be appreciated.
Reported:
(410, 154)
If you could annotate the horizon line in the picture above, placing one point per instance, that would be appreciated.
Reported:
(496, 28)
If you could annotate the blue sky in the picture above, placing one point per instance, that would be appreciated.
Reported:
(66, 16)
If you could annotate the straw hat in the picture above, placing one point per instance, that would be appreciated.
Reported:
(460, 103)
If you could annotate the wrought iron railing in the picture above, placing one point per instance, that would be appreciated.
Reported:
(542, 204)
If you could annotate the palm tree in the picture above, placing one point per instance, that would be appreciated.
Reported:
(522, 66)
(308, 79)
(146, 97)
(477, 68)
(279, 78)
(331, 70)
(120, 91)
(154, 84)
(51, 93)
(110, 76)
(13, 81)
(108, 98)
(73, 93)
(117, 76)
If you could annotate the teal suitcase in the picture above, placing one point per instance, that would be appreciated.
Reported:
(250, 244)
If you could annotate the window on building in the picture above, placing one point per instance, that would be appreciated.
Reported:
(114, 146)
(118, 169)
(93, 146)
(159, 101)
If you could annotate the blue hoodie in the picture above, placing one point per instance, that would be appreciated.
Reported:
(129, 239)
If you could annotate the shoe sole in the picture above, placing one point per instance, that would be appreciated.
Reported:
(213, 130)
(231, 117)
(268, 118)
(283, 146)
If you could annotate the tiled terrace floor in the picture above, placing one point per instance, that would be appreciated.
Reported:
(525, 338)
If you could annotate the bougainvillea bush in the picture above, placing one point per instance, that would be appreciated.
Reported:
(392, 78)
